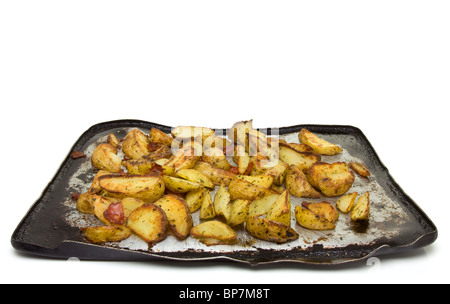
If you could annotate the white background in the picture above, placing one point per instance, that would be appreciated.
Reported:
(382, 66)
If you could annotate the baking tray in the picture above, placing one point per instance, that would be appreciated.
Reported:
(51, 226)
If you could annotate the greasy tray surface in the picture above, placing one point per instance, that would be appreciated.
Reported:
(46, 230)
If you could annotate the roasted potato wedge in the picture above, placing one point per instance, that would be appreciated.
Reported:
(298, 185)
(104, 234)
(239, 212)
(194, 199)
(264, 181)
(158, 136)
(149, 222)
(135, 144)
(178, 215)
(216, 157)
(162, 152)
(207, 210)
(129, 204)
(280, 211)
(195, 177)
(261, 206)
(99, 205)
(112, 140)
(331, 179)
(140, 166)
(84, 203)
(278, 172)
(345, 202)
(296, 146)
(239, 133)
(242, 189)
(214, 233)
(184, 158)
(105, 158)
(303, 160)
(359, 168)
(149, 187)
(222, 203)
(318, 144)
(269, 230)
(216, 175)
(185, 133)
(310, 220)
(179, 185)
(361, 209)
(324, 210)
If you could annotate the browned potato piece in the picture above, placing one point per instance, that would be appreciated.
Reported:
(239, 133)
(361, 209)
(129, 204)
(146, 187)
(184, 158)
(149, 222)
(324, 210)
(95, 186)
(103, 234)
(84, 203)
(239, 212)
(280, 211)
(345, 203)
(222, 203)
(163, 152)
(139, 166)
(296, 146)
(195, 177)
(216, 175)
(184, 133)
(360, 169)
(216, 157)
(135, 144)
(278, 172)
(303, 160)
(100, 204)
(112, 139)
(264, 181)
(178, 215)
(318, 144)
(214, 233)
(207, 210)
(105, 157)
(298, 185)
(242, 189)
(269, 230)
(179, 185)
(194, 199)
(331, 179)
(310, 220)
(241, 158)
(158, 136)
(261, 206)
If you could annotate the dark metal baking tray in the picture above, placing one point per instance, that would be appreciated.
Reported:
(44, 230)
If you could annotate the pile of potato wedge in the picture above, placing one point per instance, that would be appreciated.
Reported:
(243, 179)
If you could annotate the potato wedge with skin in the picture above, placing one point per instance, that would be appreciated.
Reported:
(359, 168)
(178, 215)
(345, 202)
(242, 159)
(105, 158)
(84, 203)
(296, 146)
(195, 177)
(179, 185)
(194, 199)
(264, 181)
(261, 206)
(148, 188)
(129, 204)
(239, 212)
(214, 233)
(158, 136)
(216, 157)
(318, 144)
(242, 189)
(149, 222)
(269, 230)
(303, 160)
(323, 209)
(331, 179)
(95, 186)
(280, 211)
(278, 172)
(112, 139)
(310, 220)
(100, 204)
(361, 209)
(184, 133)
(135, 144)
(163, 152)
(104, 234)
(184, 158)
(298, 185)
(222, 203)
(238, 133)
(207, 210)
(140, 166)
(216, 175)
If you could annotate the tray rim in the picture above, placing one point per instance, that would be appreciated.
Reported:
(34, 249)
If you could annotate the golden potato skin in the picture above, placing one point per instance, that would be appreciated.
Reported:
(216, 175)
(135, 144)
(310, 220)
(361, 209)
(214, 233)
(298, 185)
(178, 215)
(158, 136)
(149, 222)
(318, 144)
(103, 234)
(105, 158)
(269, 230)
(331, 179)
(242, 189)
